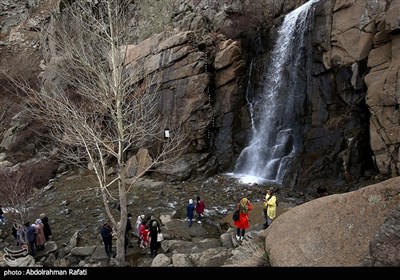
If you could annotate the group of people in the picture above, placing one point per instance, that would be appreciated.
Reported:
(199, 208)
(244, 206)
(146, 229)
(33, 235)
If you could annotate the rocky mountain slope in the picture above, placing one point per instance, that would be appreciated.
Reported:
(350, 133)
(336, 230)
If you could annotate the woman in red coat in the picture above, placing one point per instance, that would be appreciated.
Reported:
(242, 224)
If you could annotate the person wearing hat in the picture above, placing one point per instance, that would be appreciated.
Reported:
(269, 209)
(190, 211)
(242, 223)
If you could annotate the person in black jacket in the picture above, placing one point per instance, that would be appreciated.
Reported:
(128, 231)
(46, 226)
(154, 230)
(106, 235)
(14, 232)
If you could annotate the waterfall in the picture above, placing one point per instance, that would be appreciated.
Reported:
(276, 110)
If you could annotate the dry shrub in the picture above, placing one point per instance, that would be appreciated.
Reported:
(338, 120)
(17, 195)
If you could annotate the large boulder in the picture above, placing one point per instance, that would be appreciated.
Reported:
(334, 230)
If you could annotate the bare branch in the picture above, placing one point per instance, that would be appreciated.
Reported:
(18, 195)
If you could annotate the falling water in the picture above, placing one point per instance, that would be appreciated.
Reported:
(275, 113)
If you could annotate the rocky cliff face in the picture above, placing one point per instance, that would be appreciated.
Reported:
(353, 107)
(350, 119)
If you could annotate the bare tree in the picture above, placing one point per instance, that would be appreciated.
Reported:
(101, 107)
(18, 195)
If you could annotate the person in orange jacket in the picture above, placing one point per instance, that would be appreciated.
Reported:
(242, 224)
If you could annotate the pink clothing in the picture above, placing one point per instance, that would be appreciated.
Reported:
(146, 236)
(39, 236)
(142, 228)
(200, 206)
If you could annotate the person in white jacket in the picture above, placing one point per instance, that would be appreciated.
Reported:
(139, 221)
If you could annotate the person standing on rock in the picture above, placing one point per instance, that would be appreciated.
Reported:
(190, 212)
(128, 231)
(154, 227)
(145, 234)
(139, 221)
(243, 223)
(39, 235)
(46, 227)
(29, 234)
(269, 209)
(200, 206)
(142, 232)
(106, 235)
